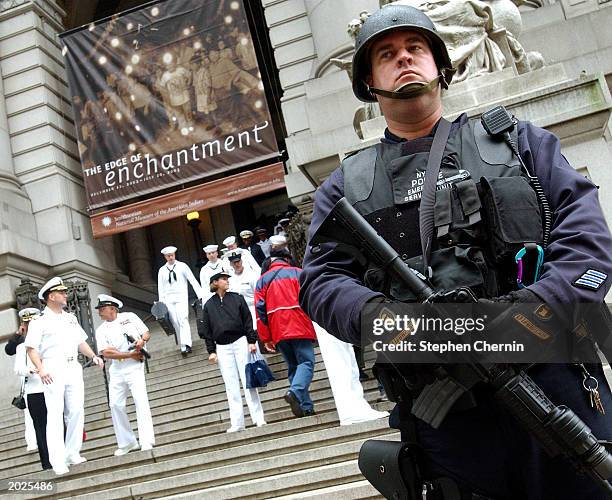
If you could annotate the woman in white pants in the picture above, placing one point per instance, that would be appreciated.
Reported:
(36, 410)
(227, 328)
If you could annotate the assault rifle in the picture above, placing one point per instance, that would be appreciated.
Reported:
(557, 428)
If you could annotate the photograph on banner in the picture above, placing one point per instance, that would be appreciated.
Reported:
(166, 94)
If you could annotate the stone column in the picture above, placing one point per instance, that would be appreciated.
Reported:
(139, 256)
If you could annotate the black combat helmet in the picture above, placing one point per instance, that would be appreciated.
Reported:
(383, 21)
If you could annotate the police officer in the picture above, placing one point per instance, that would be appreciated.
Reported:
(172, 280)
(53, 343)
(401, 62)
(121, 338)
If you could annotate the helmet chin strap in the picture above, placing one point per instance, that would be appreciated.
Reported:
(409, 90)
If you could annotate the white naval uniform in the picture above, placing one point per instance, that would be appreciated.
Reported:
(249, 262)
(175, 295)
(126, 375)
(245, 284)
(343, 374)
(56, 338)
(206, 272)
(23, 367)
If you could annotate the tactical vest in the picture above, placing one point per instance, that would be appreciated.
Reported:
(485, 210)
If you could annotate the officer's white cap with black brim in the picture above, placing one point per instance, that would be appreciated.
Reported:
(53, 285)
(234, 255)
(28, 314)
(168, 249)
(108, 300)
(247, 233)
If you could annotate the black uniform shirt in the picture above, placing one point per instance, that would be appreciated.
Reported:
(226, 320)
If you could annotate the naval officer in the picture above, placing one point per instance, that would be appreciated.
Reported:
(172, 280)
(121, 338)
(249, 261)
(53, 343)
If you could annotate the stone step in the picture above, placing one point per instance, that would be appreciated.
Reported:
(358, 490)
(190, 388)
(259, 478)
(180, 439)
(287, 483)
(103, 443)
(195, 394)
(229, 454)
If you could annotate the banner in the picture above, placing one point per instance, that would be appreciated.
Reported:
(211, 194)
(164, 95)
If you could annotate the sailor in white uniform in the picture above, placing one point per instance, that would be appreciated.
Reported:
(121, 338)
(172, 280)
(213, 266)
(247, 259)
(53, 343)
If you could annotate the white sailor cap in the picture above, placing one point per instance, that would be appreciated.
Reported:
(107, 300)
(284, 220)
(278, 239)
(230, 240)
(28, 314)
(210, 248)
(168, 249)
(246, 233)
(53, 285)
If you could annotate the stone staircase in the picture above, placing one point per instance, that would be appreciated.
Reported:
(311, 457)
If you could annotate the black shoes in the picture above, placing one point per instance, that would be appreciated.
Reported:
(308, 413)
(188, 349)
(294, 404)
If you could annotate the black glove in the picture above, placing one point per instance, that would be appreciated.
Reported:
(524, 317)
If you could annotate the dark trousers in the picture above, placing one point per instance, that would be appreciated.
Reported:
(486, 451)
(300, 358)
(38, 412)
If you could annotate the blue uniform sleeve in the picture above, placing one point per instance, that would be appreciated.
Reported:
(578, 260)
(331, 290)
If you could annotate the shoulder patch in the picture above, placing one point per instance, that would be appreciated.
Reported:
(591, 279)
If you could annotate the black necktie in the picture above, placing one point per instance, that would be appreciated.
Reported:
(171, 274)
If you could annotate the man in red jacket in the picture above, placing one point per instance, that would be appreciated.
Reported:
(282, 323)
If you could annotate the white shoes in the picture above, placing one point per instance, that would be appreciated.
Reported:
(75, 460)
(369, 416)
(259, 424)
(146, 447)
(61, 471)
(235, 429)
(119, 452)
(30, 449)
